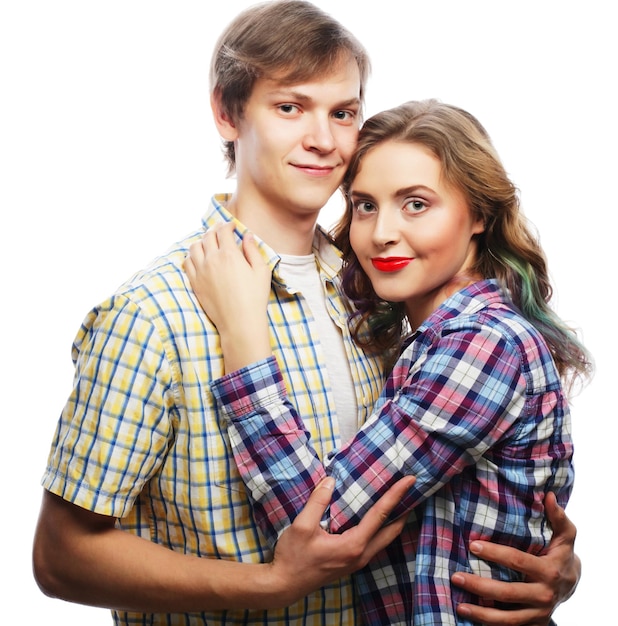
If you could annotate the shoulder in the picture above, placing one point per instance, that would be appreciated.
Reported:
(153, 307)
(489, 325)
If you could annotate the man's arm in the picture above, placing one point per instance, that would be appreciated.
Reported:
(80, 556)
(550, 579)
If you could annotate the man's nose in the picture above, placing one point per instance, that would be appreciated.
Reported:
(319, 136)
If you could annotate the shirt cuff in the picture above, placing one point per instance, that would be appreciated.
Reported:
(249, 389)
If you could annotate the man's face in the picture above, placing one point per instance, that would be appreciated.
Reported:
(294, 142)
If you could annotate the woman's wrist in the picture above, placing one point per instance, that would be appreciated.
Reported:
(242, 345)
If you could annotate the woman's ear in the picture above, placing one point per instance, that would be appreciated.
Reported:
(478, 227)
(223, 121)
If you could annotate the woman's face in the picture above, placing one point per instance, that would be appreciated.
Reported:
(412, 234)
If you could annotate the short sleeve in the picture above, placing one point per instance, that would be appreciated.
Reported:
(115, 427)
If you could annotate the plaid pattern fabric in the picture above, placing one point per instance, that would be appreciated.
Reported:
(141, 438)
(474, 409)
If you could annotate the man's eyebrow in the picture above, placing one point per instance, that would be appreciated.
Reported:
(352, 102)
(299, 96)
(289, 94)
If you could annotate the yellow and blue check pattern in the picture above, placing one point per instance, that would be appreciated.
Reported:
(141, 439)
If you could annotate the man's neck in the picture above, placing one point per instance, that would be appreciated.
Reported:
(285, 232)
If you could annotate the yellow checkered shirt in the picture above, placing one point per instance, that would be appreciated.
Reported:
(140, 437)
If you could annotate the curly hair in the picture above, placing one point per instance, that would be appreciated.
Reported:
(508, 250)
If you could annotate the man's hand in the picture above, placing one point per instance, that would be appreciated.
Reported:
(81, 556)
(307, 557)
(550, 579)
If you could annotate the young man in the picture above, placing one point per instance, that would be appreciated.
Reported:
(143, 510)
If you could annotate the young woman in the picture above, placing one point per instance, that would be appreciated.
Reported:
(436, 249)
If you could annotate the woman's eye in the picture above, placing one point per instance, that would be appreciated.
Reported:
(415, 206)
(364, 207)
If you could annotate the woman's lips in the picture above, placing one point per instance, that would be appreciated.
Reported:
(391, 264)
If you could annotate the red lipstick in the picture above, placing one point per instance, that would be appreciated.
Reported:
(391, 263)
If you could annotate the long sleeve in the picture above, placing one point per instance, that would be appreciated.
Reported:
(474, 409)
(270, 445)
(433, 426)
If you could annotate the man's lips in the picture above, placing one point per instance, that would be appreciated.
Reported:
(391, 263)
(314, 170)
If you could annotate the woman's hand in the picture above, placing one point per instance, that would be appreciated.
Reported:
(232, 285)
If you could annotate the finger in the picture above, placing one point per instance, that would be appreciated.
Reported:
(195, 260)
(189, 266)
(251, 250)
(210, 239)
(224, 232)
(371, 534)
(195, 255)
(385, 536)
(504, 555)
(379, 512)
(490, 589)
(318, 502)
(559, 521)
(495, 617)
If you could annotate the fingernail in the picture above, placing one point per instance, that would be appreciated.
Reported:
(476, 547)
(328, 483)
(458, 579)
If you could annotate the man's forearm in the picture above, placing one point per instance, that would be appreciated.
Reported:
(96, 564)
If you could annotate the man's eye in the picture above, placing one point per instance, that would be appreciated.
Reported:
(344, 116)
(288, 108)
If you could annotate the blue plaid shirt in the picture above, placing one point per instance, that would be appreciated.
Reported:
(474, 408)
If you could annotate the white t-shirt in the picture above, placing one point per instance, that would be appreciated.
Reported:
(301, 274)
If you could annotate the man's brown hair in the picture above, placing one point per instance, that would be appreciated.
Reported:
(286, 40)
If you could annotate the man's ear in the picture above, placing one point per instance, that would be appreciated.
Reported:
(224, 123)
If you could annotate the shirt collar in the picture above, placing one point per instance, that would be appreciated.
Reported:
(327, 254)
(467, 301)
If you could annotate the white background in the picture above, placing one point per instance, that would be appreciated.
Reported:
(108, 154)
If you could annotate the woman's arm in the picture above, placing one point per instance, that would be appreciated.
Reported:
(271, 448)
(279, 490)
(278, 502)
(433, 427)
(233, 289)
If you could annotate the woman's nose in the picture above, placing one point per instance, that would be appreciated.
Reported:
(386, 230)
